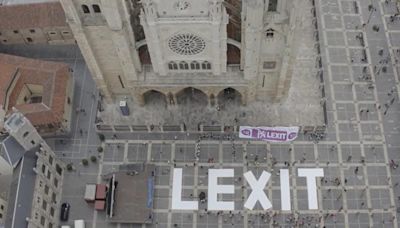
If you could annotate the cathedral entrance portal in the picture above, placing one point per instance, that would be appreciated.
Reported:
(229, 96)
(154, 97)
(192, 96)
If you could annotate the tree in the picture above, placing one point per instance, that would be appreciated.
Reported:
(85, 162)
(93, 158)
(69, 167)
(102, 137)
(100, 149)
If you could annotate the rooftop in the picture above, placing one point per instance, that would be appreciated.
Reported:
(11, 151)
(37, 13)
(17, 2)
(21, 192)
(22, 77)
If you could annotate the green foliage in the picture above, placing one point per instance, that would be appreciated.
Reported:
(69, 167)
(102, 137)
(85, 162)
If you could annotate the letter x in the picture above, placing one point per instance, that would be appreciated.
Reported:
(258, 193)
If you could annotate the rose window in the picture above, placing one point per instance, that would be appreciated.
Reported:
(186, 44)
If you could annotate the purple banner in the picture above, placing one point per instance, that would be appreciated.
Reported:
(272, 134)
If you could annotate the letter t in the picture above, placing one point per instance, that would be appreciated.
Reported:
(310, 175)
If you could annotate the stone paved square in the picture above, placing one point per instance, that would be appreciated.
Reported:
(360, 187)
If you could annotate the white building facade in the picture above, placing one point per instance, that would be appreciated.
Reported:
(212, 46)
(35, 195)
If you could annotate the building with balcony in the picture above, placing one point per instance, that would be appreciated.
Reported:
(35, 180)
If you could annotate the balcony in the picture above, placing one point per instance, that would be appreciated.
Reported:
(233, 76)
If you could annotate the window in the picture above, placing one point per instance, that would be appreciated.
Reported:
(44, 205)
(52, 211)
(58, 169)
(270, 33)
(269, 65)
(32, 30)
(29, 39)
(48, 174)
(194, 65)
(52, 33)
(183, 65)
(42, 220)
(272, 5)
(1, 34)
(55, 182)
(1, 215)
(172, 66)
(85, 9)
(2, 207)
(16, 31)
(96, 8)
(50, 160)
(53, 197)
(25, 134)
(206, 65)
(65, 32)
(46, 189)
(4, 41)
(50, 225)
(33, 142)
(43, 168)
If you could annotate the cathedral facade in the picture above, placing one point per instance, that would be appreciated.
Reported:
(167, 47)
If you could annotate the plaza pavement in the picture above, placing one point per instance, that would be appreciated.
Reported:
(364, 198)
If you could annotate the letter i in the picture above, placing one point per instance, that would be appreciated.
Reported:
(285, 190)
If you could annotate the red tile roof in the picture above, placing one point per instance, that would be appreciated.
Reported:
(52, 76)
(37, 15)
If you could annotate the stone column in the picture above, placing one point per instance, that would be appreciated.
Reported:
(211, 100)
(253, 29)
(81, 38)
(175, 99)
(171, 99)
(123, 42)
(139, 99)
(148, 18)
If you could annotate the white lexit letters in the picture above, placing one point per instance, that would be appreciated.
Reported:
(257, 187)
(214, 189)
(258, 193)
(310, 175)
(285, 190)
(177, 202)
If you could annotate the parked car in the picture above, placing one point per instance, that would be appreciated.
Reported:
(64, 212)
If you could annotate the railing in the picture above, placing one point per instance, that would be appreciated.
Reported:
(182, 128)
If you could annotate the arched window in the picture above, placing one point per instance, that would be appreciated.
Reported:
(195, 65)
(172, 65)
(183, 65)
(85, 9)
(96, 8)
(273, 5)
(270, 33)
(206, 65)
